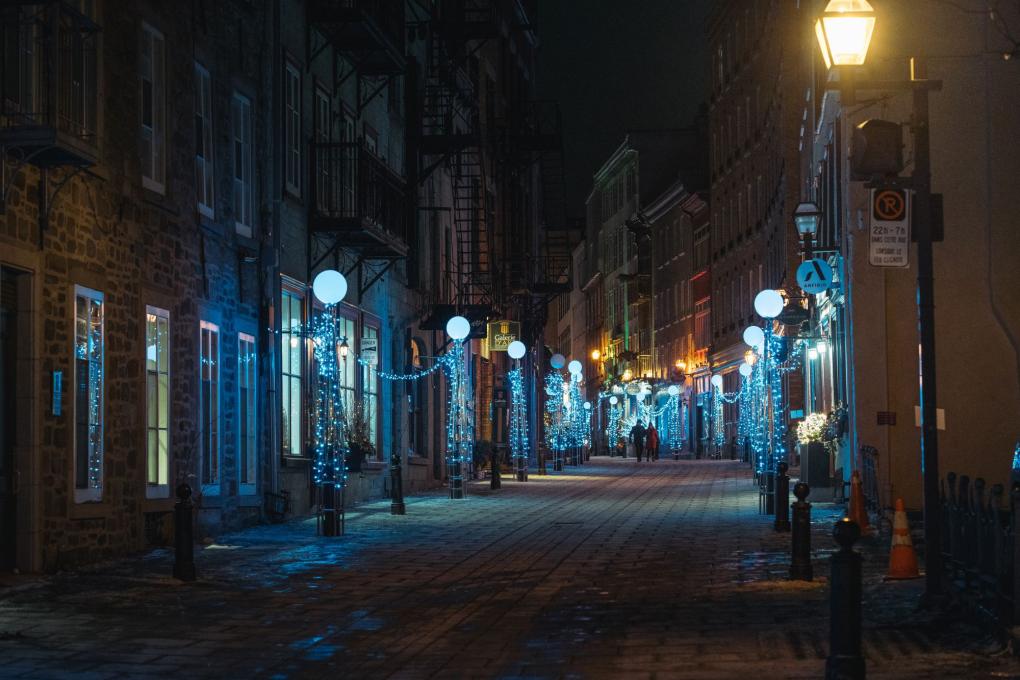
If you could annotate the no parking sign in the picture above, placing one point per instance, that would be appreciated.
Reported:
(814, 276)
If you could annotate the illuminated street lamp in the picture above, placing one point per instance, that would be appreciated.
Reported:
(596, 355)
(844, 32)
(807, 217)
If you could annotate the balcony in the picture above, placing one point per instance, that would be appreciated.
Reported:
(358, 198)
(370, 30)
(48, 96)
(462, 20)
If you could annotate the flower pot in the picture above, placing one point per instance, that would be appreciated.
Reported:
(814, 465)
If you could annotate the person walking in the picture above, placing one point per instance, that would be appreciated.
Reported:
(652, 442)
(637, 435)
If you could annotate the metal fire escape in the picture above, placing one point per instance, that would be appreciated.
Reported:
(359, 205)
(48, 97)
(451, 137)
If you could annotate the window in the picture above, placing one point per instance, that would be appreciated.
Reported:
(292, 370)
(157, 403)
(203, 140)
(209, 407)
(292, 128)
(348, 362)
(152, 84)
(244, 197)
(89, 395)
(370, 391)
(247, 437)
(323, 194)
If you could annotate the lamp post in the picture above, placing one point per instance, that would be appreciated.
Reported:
(458, 328)
(806, 218)
(844, 34)
(769, 304)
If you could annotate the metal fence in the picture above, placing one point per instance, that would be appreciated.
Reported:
(978, 530)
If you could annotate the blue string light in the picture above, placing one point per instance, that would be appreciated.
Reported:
(518, 419)
(331, 447)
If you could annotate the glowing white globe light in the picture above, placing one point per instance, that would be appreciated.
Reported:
(458, 328)
(768, 304)
(673, 390)
(329, 286)
(516, 349)
(575, 367)
(587, 406)
(822, 347)
(557, 361)
(614, 401)
(717, 380)
(754, 336)
(746, 369)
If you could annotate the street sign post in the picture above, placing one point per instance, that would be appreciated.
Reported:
(890, 228)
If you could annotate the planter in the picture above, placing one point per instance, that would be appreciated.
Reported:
(356, 457)
(814, 465)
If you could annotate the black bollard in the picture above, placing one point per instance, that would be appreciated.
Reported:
(800, 562)
(782, 499)
(184, 539)
(397, 506)
(845, 661)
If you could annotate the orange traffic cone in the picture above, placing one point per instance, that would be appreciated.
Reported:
(902, 558)
(858, 511)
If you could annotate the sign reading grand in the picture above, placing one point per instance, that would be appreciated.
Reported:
(814, 276)
(501, 333)
(890, 228)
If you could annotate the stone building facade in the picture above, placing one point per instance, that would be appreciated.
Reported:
(170, 194)
(757, 86)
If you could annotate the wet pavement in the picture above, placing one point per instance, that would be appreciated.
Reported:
(612, 570)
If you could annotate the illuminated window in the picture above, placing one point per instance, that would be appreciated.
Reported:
(292, 350)
(247, 437)
(370, 392)
(89, 395)
(209, 407)
(157, 402)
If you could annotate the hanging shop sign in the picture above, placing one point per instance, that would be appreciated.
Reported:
(501, 333)
(370, 351)
(890, 228)
(814, 276)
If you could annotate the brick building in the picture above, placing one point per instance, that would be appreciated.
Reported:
(758, 81)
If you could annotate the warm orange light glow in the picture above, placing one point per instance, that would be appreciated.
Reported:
(628, 375)
(749, 357)
(680, 365)
(596, 355)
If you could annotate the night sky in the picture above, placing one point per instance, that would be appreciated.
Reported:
(615, 65)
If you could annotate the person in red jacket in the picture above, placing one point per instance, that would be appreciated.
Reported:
(652, 442)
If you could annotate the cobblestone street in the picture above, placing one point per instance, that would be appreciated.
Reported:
(615, 569)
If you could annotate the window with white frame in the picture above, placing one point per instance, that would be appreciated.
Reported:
(89, 394)
(157, 402)
(244, 195)
(247, 439)
(292, 353)
(292, 127)
(348, 362)
(203, 140)
(152, 83)
(370, 391)
(209, 407)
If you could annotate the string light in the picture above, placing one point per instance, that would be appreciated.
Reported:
(331, 447)
(556, 434)
(518, 419)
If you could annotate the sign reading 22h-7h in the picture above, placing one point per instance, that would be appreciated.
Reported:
(890, 228)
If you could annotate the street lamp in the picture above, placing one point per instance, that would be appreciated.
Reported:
(806, 217)
(596, 355)
(844, 34)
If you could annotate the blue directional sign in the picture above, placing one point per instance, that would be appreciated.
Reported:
(814, 276)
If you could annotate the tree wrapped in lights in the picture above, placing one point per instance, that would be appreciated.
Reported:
(556, 435)
(577, 417)
(518, 420)
(331, 450)
(613, 426)
(459, 444)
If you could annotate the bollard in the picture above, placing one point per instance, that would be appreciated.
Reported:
(845, 661)
(800, 562)
(782, 499)
(184, 540)
(397, 506)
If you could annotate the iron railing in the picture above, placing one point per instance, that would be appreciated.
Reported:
(353, 189)
(978, 544)
(48, 63)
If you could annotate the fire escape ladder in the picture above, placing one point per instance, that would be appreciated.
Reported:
(470, 224)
